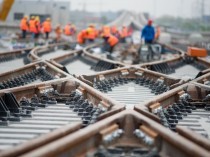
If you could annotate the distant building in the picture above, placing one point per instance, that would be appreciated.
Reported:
(57, 10)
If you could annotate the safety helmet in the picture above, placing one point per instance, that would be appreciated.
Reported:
(37, 18)
(25, 17)
(150, 22)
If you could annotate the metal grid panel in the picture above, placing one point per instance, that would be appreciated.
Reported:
(43, 121)
(131, 94)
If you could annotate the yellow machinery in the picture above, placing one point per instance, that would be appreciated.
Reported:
(5, 8)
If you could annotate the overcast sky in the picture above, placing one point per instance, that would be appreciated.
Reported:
(184, 8)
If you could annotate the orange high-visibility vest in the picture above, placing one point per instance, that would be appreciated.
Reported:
(114, 30)
(91, 33)
(46, 26)
(112, 40)
(38, 26)
(81, 37)
(32, 26)
(124, 32)
(24, 24)
(106, 31)
(67, 30)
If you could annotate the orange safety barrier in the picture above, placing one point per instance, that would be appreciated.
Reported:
(196, 52)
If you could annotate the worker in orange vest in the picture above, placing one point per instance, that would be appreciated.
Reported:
(47, 27)
(67, 29)
(124, 34)
(38, 27)
(32, 26)
(91, 34)
(24, 26)
(81, 37)
(115, 32)
(58, 32)
(105, 32)
(157, 33)
(110, 42)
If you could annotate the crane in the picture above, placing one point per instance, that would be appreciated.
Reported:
(5, 7)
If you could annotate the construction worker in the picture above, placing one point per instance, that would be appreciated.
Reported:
(124, 34)
(110, 43)
(47, 27)
(58, 32)
(67, 30)
(73, 29)
(148, 33)
(32, 26)
(157, 33)
(81, 37)
(38, 26)
(91, 34)
(24, 26)
(148, 36)
(115, 32)
(105, 32)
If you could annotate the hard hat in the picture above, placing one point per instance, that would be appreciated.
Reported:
(37, 18)
(26, 17)
(150, 22)
(32, 17)
(89, 30)
(48, 19)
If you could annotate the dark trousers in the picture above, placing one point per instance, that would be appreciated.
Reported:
(23, 34)
(108, 48)
(36, 35)
(46, 35)
(148, 41)
(90, 40)
(123, 40)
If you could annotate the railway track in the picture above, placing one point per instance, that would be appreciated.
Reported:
(32, 73)
(179, 66)
(185, 108)
(32, 111)
(16, 57)
(47, 52)
(130, 86)
(124, 134)
(68, 117)
(204, 78)
(128, 54)
(81, 62)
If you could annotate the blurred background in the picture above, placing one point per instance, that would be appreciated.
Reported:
(184, 20)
